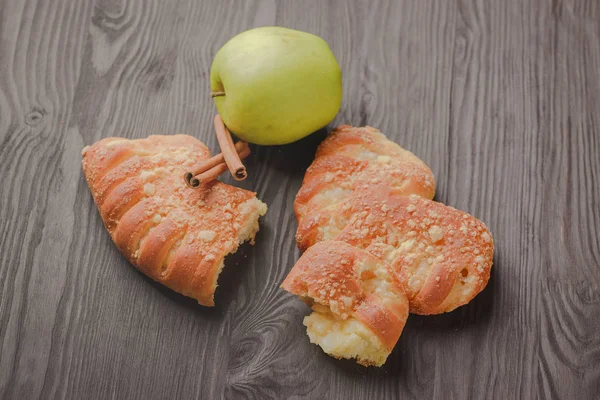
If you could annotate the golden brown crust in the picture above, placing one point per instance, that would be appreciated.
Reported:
(441, 256)
(175, 235)
(350, 158)
(382, 320)
(336, 275)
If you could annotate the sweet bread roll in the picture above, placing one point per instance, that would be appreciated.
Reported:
(351, 158)
(175, 235)
(359, 309)
(441, 256)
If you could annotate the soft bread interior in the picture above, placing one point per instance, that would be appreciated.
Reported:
(250, 212)
(347, 338)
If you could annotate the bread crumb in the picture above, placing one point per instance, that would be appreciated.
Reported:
(206, 236)
(149, 189)
(436, 233)
(145, 176)
(407, 246)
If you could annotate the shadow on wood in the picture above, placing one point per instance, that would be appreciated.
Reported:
(229, 280)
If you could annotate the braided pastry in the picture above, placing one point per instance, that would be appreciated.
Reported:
(359, 309)
(173, 234)
(442, 256)
(368, 192)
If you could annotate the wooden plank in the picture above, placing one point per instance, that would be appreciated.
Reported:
(501, 99)
(40, 179)
(569, 206)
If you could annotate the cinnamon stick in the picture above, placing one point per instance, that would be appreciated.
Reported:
(217, 159)
(211, 163)
(213, 172)
(237, 169)
(210, 175)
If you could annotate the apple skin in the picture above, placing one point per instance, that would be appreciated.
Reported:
(274, 85)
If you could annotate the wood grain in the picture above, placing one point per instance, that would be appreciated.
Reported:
(500, 98)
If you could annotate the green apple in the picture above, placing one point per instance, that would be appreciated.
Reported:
(275, 85)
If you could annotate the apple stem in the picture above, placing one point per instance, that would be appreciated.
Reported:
(216, 94)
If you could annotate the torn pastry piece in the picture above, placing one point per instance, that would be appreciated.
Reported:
(359, 309)
(350, 158)
(175, 235)
(441, 256)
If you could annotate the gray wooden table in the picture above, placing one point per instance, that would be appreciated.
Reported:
(500, 98)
